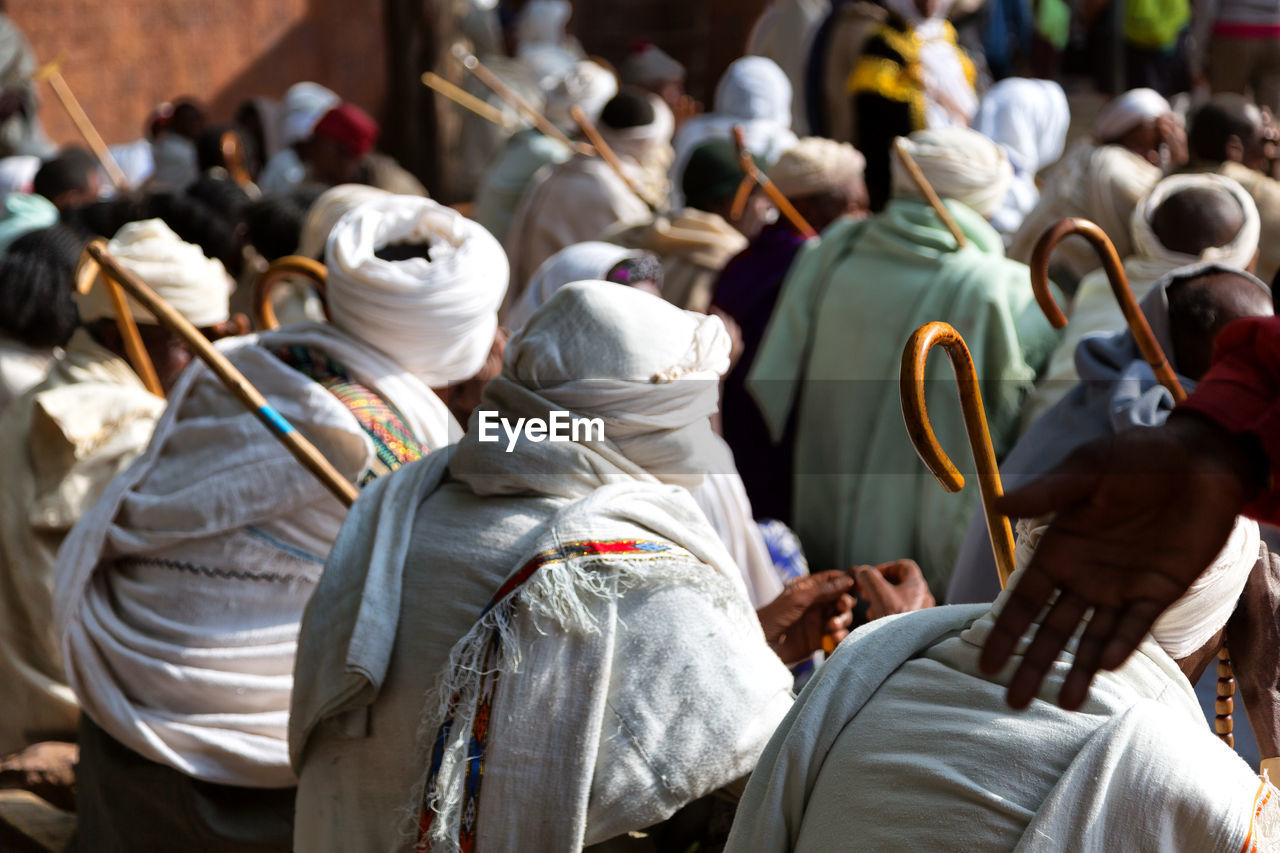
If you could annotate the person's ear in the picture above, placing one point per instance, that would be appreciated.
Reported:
(1234, 149)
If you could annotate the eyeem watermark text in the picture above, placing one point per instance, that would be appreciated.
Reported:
(560, 426)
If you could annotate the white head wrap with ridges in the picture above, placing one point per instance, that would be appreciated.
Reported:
(959, 164)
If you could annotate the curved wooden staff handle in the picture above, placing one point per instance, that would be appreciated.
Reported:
(87, 272)
(915, 412)
(1137, 321)
(264, 313)
(301, 449)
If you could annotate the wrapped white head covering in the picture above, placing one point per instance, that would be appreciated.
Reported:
(650, 66)
(1124, 113)
(814, 165)
(1238, 252)
(542, 22)
(649, 370)
(588, 85)
(437, 317)
(590, 261)
(324, 213)
(304, 104)
(960, 164)
(198, 287)
(1202, 610)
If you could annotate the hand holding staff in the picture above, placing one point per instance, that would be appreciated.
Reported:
(302, 450)
(502, 90)
(52, 72)
(922, 184)
(770, 189)
(914, 411)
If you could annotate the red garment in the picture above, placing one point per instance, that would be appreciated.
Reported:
(349, 126)
(1241, 393)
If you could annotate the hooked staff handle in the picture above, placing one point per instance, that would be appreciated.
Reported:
(762, 180)
(916, 415)
(264, 313)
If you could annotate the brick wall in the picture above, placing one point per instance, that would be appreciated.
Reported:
(125, 56)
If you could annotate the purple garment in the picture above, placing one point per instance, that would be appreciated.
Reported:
(747, 291)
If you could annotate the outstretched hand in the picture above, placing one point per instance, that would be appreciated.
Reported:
(794, 623)
(1139, 516)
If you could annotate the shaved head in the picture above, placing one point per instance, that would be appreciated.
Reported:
(1227, 127)
(1197, 218)
(1199, 308)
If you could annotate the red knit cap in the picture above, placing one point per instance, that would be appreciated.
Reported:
(349, 126)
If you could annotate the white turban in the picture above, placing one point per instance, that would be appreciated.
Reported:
(1202, 610)
(304, 104)
(1123, 114)
(198, 287)
(436, 317)
(324, 213)
(959, 164)
(590, 261)
(814, 165)
(650, 66)
(649, 370)
(588, 85)
(1239, 252)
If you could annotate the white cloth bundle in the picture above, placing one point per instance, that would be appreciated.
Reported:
(589, 261)
(198, 287)
(1239, 252)
(588, 85)
(436, 317)
(959, 164)
(815, 165)
(324, 213)
(1124, 113)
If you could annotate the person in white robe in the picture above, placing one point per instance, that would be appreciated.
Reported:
(178, 597)
(539, 645)
(304, 104)
(1219, 237)
(900, 742)
(61, 443)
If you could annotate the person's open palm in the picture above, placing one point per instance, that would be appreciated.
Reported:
(1139, 517)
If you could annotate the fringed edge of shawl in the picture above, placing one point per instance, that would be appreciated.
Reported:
(557, 597)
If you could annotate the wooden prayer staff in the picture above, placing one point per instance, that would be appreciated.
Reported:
(304, 451)
(606, 154)
(922, 184)
(466, 100)
(232, 148)
(745, 186)
(502, 90)
(912, 389)
(770, 188)
(52, 73)
(1154, 356)
(264, 314)
(86, 274)
(1133, 315)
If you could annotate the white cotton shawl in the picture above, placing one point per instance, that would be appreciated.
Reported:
(1029, 119)
(435, 317)
(178, 595)
(196, 286)
(325, 212)
(959, 164)
(572, 773)
(900, 740)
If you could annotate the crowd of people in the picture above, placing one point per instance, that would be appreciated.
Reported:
(644, 557)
